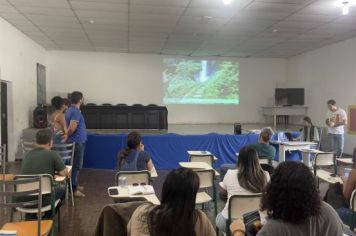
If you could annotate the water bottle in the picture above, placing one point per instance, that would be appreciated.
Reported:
(122, 182)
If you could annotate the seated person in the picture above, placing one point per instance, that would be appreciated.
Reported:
(176, 216)
(309, 133)
(263, 148)
(134, 157)
(246, 179)
(293, 205)
(42, 160)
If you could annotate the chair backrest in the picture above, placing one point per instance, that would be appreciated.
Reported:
(132, 177)
(46, 183)
(202, 158)
(65, 150)
(324, 159)
(20, 196)
(27, 146)
(353, 201)
(242, 203)
(206, 178)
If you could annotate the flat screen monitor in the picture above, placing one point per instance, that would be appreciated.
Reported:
(289, 96)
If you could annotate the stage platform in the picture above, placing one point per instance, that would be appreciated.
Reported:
(168, 149)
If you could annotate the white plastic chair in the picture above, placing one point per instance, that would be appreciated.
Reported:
(132, 177)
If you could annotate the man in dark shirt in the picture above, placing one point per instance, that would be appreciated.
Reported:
(42, 160)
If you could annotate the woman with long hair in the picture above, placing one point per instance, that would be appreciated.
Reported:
(176, 215)
(293, 205)
(134, 157)
(247, 178)
(58, 121)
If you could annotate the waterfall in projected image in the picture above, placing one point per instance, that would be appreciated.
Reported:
(203, 73)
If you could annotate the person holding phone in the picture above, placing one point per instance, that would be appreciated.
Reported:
(294, 207)
(134, 157)
(246, 179)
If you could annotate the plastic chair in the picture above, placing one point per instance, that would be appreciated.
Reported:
(206, 178)
(240, 204)
(209, 159)
(324, 159)
(132, 177)
(26, 228)
(47, 188)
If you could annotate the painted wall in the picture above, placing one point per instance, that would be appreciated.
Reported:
(18, 58)
(134, 78)
(329, 72)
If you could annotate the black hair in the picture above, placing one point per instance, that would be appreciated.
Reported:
(75, 97)
(133, 142)
(331, 102)
(292, 195)
(176, 215)
(57, 102)
(308, 119)
(44, 136)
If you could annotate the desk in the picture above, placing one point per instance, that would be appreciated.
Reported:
(291, 146)
(283, 111)
(198, 166)
(325, 175)
(59, 178)
(153, 173)
(347, 161)
(306, 155)
(124, 193)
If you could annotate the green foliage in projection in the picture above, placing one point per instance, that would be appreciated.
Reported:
(224, 83)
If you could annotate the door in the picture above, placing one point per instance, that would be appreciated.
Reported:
(4, 133)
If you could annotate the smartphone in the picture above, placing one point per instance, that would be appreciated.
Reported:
(347, 172)
(113, 191)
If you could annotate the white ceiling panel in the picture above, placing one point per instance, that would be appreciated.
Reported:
(103, 6)
(245, 28)
(45, 11)
(174, 3)
(41, 3)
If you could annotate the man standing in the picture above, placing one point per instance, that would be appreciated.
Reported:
(76, 133)
(336, 119)
(42, 160)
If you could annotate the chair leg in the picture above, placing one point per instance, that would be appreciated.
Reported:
(71, 189)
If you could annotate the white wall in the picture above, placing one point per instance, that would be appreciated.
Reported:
(134, 78)
(328, 72)
(18, 58)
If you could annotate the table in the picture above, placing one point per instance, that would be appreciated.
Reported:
(202, 153)
(347, 161)
(325, 175)
(283, 111)
(124, 193)
(198, 165)
(306, 155)
(291, 146)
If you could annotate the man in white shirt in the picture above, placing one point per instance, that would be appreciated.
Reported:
(336, 119)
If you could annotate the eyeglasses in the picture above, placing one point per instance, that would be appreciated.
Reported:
(136, 184)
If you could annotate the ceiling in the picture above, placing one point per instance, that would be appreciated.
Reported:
(246, 28)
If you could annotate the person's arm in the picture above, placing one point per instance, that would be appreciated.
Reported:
(64, 172)
(150, 165)
(349, 184)
(343, 120)
(73, 125)
(237, 228)
(62, 122)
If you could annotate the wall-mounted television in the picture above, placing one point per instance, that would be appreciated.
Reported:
(289, 96)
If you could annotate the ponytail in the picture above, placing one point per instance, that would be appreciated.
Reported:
(122, 155)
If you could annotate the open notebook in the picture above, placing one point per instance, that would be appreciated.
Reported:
(141, 190)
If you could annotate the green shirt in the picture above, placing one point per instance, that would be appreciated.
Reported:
(264, 150)
(41, 161)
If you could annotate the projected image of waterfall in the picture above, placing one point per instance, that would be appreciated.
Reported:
(200, 82)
